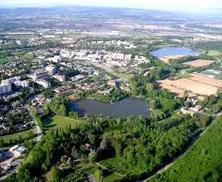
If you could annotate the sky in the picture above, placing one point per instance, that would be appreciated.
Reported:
(169, 5)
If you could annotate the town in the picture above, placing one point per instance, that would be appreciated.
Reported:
(117, 100)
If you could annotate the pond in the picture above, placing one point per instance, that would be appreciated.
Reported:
(174, 51)
(124, 108)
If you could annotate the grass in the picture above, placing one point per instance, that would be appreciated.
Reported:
(204, 157)
(214, 53)
(15, 136)
(125, 76)
(183, 75)
(60, 122)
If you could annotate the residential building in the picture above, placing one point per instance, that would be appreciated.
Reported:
(55, 59)
(24, 83)
(11, 80)
(39, 74)
(60, 78)
(5, 88)
(46, 84)
(51, 69)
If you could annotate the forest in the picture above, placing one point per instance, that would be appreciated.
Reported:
(130, 147)
(206, 160)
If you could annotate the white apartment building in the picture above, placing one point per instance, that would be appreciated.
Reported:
(51, 69)
(5, 88)
(46, 84)
(24, 83)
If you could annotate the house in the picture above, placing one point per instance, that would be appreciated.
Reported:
(17, 150)
(60, 78)
(51, 69)
(23, 83)
(46, 84)
(115, 83)
(39, 74)
(5, 88)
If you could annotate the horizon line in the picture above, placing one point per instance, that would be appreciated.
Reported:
(208, 13)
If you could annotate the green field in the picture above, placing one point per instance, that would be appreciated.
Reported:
(60, 122)
(215, 73)
(202, 161)
(17, 136)
(214, 53)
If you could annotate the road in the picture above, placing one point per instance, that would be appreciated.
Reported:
(38, 130)
(37, 139)
(167, 166)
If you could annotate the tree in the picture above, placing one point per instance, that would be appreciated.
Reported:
(92, 156)
(105, 143)
(74, 153)
(54, 175)
(99, 174)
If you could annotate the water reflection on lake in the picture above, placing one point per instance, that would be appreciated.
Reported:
(123, 108)
(174, 51)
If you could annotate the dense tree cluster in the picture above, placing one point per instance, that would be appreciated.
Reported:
(162, 103)
(134, 146)
(202, 161)
(58, 106)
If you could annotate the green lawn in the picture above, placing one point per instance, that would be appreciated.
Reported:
(61, 122)
(17, 136)
(214, 53)
(202, 161)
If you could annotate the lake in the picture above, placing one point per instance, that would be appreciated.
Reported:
(124, 108)
(174, 51)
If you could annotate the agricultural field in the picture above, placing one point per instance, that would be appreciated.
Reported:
(205, 156)
(214, 53)
(198, 84)
(213, 73)
(199, 63)
(206, 80)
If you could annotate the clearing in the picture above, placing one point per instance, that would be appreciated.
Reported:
(60, 122)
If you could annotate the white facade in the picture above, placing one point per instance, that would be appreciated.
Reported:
(55, 59)
(17, 150)
(51, 69)
(5, 88)
(11, 80)
(66, 54)
(60, 78)
(24, 83)
(38, 74)
(46, 84)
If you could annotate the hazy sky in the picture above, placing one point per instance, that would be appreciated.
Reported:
(185, 5)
